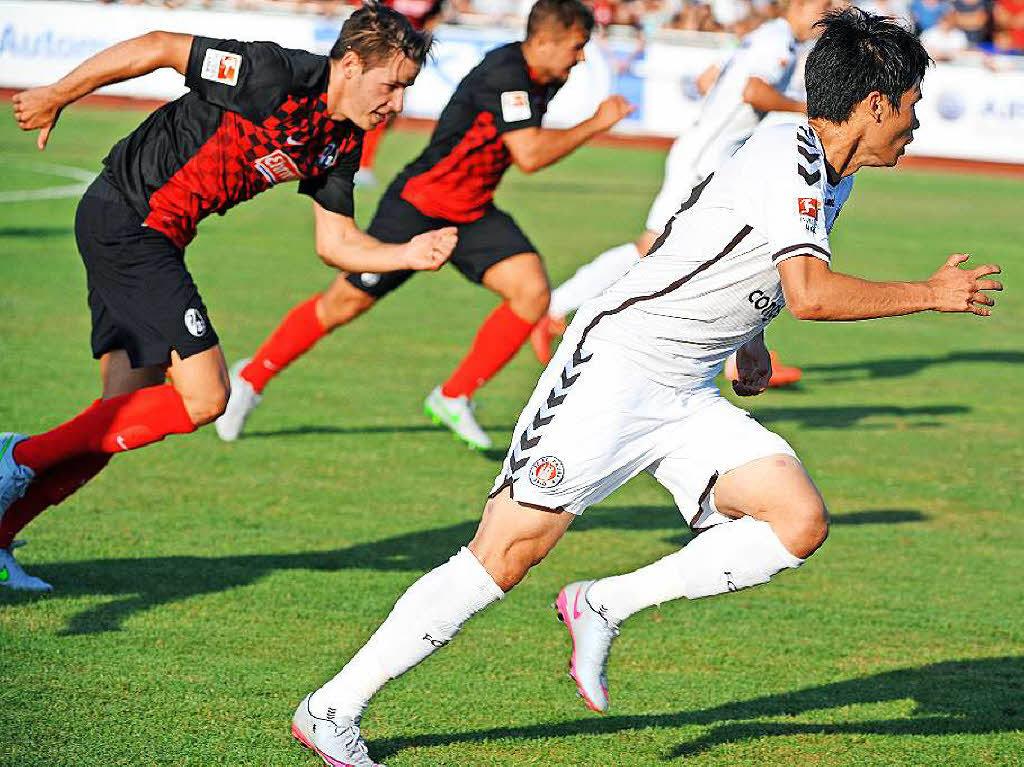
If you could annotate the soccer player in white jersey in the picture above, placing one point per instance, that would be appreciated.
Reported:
(631, 388)
(751, 84)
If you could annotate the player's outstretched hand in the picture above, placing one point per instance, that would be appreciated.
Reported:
(957, 289)
(753, 368)
(611, 110)
(38, 109)
(431, 250)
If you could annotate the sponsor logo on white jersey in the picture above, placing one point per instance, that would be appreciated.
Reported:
(808, 208)
(515, 106)
(277, 167)
(221, 67)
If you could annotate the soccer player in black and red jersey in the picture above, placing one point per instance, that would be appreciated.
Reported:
(256, 115)
(492, 121)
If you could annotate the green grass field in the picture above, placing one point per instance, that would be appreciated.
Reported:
(202, 589)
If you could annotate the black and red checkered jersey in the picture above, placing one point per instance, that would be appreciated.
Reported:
(456, 175)
(255, 115)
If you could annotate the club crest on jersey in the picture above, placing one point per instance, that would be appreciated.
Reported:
(195, 323)
(221, 67)
(277, 167)
(328, 157)
(808, 209)
(515, 106)
(547, 472)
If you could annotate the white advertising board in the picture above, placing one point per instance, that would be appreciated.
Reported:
(967, 112)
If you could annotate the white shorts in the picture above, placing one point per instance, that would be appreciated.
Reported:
(594, 422)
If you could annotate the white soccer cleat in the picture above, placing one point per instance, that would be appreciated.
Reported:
(457, 414)
(12, 576)
(14, 478)
(241, 403)
(335, 740)
(592, 636)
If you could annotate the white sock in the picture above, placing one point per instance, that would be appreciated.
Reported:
(727, 557)
(591, 280)
(424, 619)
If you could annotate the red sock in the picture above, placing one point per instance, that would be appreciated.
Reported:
(53, 487)
(497, 341)
(371, 140)
(296, 334)
(109, 426)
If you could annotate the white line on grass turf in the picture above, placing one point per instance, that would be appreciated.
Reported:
(84, 177)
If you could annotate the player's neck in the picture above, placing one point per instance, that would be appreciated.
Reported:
(841, 157)
(534, 63)
(335, 90)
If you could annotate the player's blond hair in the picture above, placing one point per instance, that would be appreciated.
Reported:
(376, 33)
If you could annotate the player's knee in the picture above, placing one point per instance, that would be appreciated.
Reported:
(206, 406)
(531, 301)
(508, 564)
(808, 528)
(342, 306)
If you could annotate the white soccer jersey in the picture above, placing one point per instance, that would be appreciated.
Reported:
(726, 120)
(711, 282)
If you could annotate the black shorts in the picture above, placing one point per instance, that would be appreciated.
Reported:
(482, 243)
(141, 296)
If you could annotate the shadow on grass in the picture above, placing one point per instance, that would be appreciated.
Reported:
(958, 697)
(36, 231)
(898, 367)
(142, 584)
(299, 431)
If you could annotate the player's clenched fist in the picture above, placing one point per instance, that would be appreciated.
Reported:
(431, 250)
(960, 290)
(37, 109)
(611, 110)
(753, 367)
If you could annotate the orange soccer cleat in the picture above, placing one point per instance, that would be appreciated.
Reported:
(782, 375)
(541, 335)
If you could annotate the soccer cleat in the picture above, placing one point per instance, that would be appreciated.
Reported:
(364, 177)
(592, 634)
(457, 414)
(241, 403)
(782, 375)
(541, 335)
(12, 575)
(335, 740)
(14, 478)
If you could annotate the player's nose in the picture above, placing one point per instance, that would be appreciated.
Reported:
(398, 99)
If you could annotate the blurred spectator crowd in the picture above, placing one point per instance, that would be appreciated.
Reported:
(948, 28)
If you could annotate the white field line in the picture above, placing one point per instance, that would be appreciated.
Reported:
(84, 177)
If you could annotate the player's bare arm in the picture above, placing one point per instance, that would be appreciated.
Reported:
(341, 244)
(764, 98)
(754, 367)
(814, 292)
(39, 108)
(536, 148)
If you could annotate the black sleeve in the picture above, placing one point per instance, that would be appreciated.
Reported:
(333, 190)
(505, 93)
(251, 79)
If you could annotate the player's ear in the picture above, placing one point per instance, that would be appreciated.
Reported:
(351, 64)
(877, 104)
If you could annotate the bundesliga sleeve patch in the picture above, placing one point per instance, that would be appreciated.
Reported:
(221, 66)
(808, 209)
(515, 106)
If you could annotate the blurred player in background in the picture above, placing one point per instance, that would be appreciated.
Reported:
(492, 121)
(256, 115)
(632, 387)
(423, 15)
(749, 86)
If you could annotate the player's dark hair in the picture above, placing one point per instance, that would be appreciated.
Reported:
(857, 53)
(566, 12)
(376, 33)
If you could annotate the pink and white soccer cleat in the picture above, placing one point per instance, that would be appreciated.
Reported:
(335, 739)
(592, 634)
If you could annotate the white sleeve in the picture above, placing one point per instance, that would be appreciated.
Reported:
(792, 205)
(769, 59)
